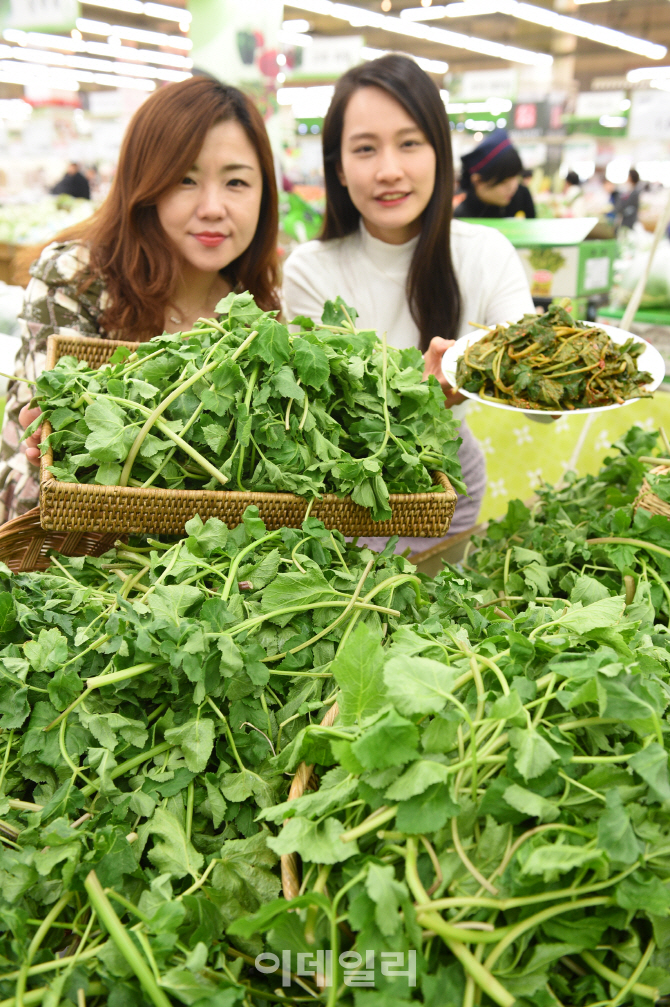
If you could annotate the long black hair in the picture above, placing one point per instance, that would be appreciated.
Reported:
(432, 289)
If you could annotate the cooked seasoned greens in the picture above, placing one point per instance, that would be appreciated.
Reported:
(552, 362)
(241, 403)
(494, 795)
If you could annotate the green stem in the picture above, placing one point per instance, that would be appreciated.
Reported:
(157, 413)
(124, 944)
(190, 791)
(6, 760)
(247, 402)
(231, 740)
(33, 997)
(482, 977)
(635, 975)
(99, 681)
(372, 822)
(648, 992)
(616, 540)
(664, 586)
(517, 931)
(235, 565)
(33, 948)
(129, 764)
(385, 405)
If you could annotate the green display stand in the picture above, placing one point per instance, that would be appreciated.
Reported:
(642, 317)
(557, 258)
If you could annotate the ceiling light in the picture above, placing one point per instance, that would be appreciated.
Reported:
(429, 65)
(165, 12)
(76, 35)
(133, 34)
(44, 41)
(43, 58)
(13, 73)
(613, 121)
(422, 13)
(296, 24)
(293, 38)
(426, 3)
(661, 85)
(29, 73)
(360, 17)
(158, 10)
(550, 19)
(386, 5)
(648, 73)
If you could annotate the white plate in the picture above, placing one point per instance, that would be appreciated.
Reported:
(649, 360)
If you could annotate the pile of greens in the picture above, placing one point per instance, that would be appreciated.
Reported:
(493, 795)
(241, 403)
(551, 361)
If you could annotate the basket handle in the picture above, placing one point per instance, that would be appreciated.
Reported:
(290, 880)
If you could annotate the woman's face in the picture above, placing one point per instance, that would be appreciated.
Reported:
(495, 193)
(212, 215)
(387, 164)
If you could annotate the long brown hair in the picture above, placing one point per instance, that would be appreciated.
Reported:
(432, 289)
(128, 245)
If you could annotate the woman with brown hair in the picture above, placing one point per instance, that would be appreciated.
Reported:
(192, 214)
(389, 245)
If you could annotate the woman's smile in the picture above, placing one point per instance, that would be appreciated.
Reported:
(210, 239)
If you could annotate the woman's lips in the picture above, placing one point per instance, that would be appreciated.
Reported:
(391, 198)
(210, 239)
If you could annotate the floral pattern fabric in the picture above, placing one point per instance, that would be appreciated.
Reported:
(54, 304)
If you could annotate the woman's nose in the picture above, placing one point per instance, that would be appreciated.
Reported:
(211, 204)
(388, 166)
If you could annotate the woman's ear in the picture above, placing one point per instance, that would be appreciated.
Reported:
(475, 177)
(340, 175)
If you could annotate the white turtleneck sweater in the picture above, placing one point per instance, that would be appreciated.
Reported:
(371, 276)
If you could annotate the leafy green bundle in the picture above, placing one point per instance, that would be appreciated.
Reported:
(240, 403)
(493, 795)
(550, 362)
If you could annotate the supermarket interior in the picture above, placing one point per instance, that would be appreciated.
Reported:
(335, 503)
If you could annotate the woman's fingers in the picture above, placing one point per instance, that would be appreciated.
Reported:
(432, 364)
(32, 443)
(432, 358)
(27, 415)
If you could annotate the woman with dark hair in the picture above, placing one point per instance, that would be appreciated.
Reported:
(491, 181)
(192, 214)
(389, 246)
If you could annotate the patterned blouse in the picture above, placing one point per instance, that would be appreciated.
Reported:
(53, 305)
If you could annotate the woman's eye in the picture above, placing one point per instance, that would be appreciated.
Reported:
(411, 143)
(188, 181)
(364, 148)
(238, 183)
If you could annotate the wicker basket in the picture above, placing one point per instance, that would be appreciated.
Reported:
(24, 544)
(290, 878)
(648, 500)
(125, 510)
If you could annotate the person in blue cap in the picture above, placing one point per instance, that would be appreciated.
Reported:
(491, 181)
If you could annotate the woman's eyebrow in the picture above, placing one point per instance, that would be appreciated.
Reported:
(373, 136)
(237, 167)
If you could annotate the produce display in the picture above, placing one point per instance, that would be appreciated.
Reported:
(550, 362)
(32, 223)
(490, 815)
(241, 403)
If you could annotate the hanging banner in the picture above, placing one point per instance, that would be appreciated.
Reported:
(39, 15)
(237, 42)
